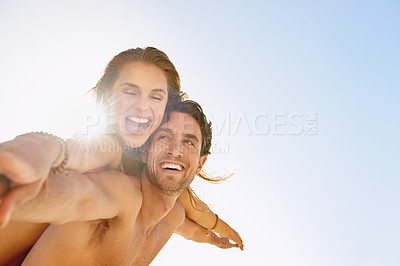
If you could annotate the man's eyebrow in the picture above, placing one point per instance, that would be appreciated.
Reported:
(166, 130)
(137, 87)
(191, 136)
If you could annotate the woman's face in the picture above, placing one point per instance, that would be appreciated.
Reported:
(138, 99)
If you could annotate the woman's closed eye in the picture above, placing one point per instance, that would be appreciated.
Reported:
(156, 98)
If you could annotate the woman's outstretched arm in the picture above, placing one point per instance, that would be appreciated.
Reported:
(207, 219)
(30, 157)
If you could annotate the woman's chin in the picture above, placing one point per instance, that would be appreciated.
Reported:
(134, 141)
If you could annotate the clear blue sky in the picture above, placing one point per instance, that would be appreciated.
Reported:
(303, 95)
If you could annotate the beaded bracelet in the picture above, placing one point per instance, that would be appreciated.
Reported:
(58, 166)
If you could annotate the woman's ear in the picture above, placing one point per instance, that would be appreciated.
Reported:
(107, 98)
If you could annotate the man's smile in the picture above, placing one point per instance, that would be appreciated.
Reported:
(171, 166)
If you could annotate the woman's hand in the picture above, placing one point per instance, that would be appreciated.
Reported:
(224, 230)
(28, 158)
(25, 164)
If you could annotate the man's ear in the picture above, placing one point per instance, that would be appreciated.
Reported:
(202, 160)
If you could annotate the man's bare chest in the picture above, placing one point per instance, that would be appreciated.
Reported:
(131, 246)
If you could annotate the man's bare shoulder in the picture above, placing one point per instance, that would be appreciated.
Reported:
(176, 216)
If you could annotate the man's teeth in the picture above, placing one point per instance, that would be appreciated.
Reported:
(138, 120)
(171, 166)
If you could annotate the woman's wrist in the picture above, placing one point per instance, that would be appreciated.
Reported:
(216, 222)
(58, 145)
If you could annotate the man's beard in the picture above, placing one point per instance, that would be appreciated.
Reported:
(173, 189)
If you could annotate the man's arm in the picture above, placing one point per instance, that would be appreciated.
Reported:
(193, 231)
(75, 197)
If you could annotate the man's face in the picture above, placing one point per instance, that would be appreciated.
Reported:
(173, 157)
(138, 98)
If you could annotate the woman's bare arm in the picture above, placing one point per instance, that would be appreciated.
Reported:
(207, 219)
(96, 153)
(193, 231)
(29, 157)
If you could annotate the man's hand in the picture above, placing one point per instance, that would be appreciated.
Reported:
(13, 195)
(4, 185)
(24, 166)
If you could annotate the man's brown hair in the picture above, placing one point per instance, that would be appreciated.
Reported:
(194, 110)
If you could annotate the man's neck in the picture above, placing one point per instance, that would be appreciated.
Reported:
(155, 205)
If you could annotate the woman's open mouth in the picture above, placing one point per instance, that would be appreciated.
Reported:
(136, 126)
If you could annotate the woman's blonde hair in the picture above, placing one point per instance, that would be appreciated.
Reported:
(196, 202)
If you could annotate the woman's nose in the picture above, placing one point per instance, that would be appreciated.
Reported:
(141, 103)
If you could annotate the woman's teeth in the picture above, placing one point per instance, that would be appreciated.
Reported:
(138, 120)
(136, 126)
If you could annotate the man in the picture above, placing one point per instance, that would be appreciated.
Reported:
(137, 83)
(109, 218)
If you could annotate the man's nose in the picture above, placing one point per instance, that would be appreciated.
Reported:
(175, 149)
